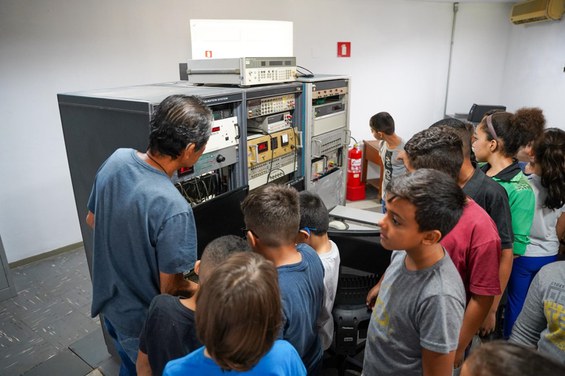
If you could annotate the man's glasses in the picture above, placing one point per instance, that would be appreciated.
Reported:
(245, 229)
(191, 276)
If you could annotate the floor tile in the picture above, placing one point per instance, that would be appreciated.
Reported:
(110, 367)
(67, 329)
(22, 356)
(64, 363)
(91, 348)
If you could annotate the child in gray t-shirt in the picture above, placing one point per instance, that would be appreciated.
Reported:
(418, 312)
(390, 145)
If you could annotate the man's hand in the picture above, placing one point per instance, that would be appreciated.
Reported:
(175, 284)
(90, 219)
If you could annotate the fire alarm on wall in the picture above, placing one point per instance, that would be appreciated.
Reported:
(343, 49)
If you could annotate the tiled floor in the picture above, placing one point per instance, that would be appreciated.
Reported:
(47, 329)
(49, 315)
(371, 201)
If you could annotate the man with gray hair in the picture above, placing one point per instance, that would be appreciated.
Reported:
(144, 230)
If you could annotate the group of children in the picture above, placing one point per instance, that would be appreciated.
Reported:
(263, 305)
(458, 231)
(506, 229)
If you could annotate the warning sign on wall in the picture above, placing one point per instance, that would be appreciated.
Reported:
(343, 49)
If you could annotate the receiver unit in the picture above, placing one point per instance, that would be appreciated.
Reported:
(271, 123)
(262, 148)
(243, 71)
(224, 133)
(270, 105)
(272, 170)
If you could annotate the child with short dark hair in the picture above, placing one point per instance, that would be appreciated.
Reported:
(390, 145)
(414, 328)
(314, 224)
(493, 199)
(272, 216)
(238, 320)
(169, 331)
(474, 243)
(501, 358)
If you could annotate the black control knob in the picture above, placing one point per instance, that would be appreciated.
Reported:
(220, 158)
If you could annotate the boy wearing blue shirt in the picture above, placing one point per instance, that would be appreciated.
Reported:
(272, 217)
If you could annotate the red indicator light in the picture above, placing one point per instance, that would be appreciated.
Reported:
(263, 147)
(215, 129)
(185, 170)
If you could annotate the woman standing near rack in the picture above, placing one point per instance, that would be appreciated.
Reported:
(498, 137)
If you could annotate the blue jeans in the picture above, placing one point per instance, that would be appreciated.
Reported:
(524, 270)
(127, 348)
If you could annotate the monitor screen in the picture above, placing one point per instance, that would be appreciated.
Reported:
(219, 216)
(477, 111)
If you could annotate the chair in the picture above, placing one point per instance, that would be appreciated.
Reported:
(351, 317)
(477, 111)
(363, 261)
(371, 154)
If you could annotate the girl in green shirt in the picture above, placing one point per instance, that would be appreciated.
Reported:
(498, 137)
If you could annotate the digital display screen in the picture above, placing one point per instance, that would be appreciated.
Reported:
(215, 129)
(275, 63)
(185, 171)
(263, 147)
(275, 118)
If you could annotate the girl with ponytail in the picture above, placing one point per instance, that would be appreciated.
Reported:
(498, 137)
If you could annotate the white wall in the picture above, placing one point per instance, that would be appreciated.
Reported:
(496, 62)
(479, 56)
(399, 62)
(52, 46)
(399, 54)
(534, 71)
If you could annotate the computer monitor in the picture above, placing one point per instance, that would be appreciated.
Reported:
(477, 111)
(219, 216)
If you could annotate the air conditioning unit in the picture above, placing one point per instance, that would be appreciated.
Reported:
(537, 10)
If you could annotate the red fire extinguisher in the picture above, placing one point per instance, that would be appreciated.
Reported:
(355, 157)
(355, 189)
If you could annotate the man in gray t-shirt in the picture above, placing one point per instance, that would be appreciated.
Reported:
(541, 323)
